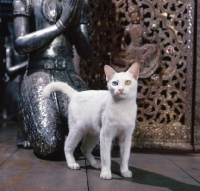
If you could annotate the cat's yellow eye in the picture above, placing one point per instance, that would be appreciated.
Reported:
(127, 82)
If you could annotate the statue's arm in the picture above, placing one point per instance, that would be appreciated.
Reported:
(24, 41)
(80, 36)
(127, 30)
(81, 43)
(9, 62)
(147, 37)
(126, 33)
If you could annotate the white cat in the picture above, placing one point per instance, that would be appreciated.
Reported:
(100, 112)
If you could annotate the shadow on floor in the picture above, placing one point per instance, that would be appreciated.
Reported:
(144, 177)
(153, 179)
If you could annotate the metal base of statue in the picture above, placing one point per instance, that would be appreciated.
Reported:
(44, 121)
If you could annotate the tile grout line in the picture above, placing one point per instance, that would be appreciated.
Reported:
(87, 174)
(9, 157)
(180, 168)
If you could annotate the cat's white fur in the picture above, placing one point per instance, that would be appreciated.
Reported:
(106, 113)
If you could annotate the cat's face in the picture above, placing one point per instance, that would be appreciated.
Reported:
(122, 85)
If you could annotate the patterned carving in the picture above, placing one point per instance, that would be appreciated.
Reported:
(197, 97)
(164, 98)
(136, 44)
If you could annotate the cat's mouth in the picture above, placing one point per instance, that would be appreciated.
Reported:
(121, 95)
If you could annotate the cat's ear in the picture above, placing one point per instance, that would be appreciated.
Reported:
(134, 70)
(109, 72)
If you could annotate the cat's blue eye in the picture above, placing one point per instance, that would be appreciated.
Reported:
(114, 83)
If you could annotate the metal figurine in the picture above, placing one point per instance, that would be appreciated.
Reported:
(47, 29)
(136, 45)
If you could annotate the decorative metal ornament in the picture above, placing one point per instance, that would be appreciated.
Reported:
(169, 50)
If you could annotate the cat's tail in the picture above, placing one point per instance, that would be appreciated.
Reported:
(60, 87)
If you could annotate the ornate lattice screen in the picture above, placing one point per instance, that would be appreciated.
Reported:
(165, 96)
(197, 95)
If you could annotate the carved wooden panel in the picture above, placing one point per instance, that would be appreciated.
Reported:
(197, 92)
(165, 96)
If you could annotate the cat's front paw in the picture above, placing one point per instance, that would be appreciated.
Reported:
(127, 174)
(97, 165)
(106, 175)
(74, 166)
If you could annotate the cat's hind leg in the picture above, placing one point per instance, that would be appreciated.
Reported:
(88, 145)
(125, 146)
(71, 142)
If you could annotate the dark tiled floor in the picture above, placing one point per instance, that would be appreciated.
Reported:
(20, 170)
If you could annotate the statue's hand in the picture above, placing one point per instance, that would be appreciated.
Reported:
(70, 14)
(123, 44)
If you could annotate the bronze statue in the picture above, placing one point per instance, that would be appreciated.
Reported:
(136, 44)
(47, 29)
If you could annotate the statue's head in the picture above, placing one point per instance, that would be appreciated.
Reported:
(134, 13)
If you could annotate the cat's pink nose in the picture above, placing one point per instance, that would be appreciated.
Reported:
(121, 90)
